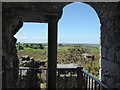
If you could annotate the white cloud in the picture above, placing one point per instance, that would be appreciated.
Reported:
(60, 40)
(21, 37)
(31, 39)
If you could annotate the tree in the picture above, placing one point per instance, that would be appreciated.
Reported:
(60, 45)
(40, 46)
(72, 55)
(26, 45)
(31, 44)
(20, 47)
(17, 44)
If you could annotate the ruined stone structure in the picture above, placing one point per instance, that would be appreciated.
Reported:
(14, 14)
(109, 14)
(25, 61)
(29, 78)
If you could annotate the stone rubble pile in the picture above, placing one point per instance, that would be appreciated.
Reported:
(30, 78)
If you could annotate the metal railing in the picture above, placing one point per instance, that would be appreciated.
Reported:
(66, 78)
(91, 82)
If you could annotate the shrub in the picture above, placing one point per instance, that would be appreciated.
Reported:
(40, 46)
(26, 45)
(20, 47)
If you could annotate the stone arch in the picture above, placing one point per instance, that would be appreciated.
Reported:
(85, 5)
(109, 18)
(91, 6)
(108, 12)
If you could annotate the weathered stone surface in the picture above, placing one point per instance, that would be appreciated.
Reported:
(110, 72)
(8, 47)
(111, 54)
(13, 16)
(117, 85)
(118, 57)
(118, 72)
(36, 11)
(109, 17)
(26, 57)
(110, 82)
(104, 52)
(15, 13)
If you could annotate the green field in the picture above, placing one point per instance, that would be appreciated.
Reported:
(67, 53)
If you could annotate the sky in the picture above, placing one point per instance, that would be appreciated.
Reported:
(79, 24)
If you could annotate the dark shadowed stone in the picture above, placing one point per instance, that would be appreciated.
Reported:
(103, 52)
(26, 57)
(14, 13)
(118, 57)
(111, 54)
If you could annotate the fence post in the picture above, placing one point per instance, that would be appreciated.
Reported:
(79, 77)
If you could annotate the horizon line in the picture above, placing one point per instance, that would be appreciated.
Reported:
(59, 43)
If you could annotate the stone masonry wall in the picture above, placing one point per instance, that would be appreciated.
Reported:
(10, 26)
(110, 63)
(14, 13)
(109, 14)
(110, 42)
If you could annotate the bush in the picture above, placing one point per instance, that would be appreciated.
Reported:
(72, 55)
(26, 45)
(20, 47)
(40, 46)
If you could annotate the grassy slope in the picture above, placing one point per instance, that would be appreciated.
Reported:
(41, 54)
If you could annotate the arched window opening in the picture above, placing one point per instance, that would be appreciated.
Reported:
(79, 38)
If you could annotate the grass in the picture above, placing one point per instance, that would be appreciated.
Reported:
(63, 48)
(37, 54)
(41, 54)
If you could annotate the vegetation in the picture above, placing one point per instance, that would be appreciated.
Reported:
(66, 54)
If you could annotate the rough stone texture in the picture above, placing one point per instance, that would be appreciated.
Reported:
(109, 14)
(13, 16)
(104, 52)
(118, 57)
(36, 12)
(29, 78)
(111, 54)
(9, 24)
(15, 13)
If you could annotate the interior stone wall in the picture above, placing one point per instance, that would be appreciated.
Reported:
(109, 14)
(10, 26)
(13, 16)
